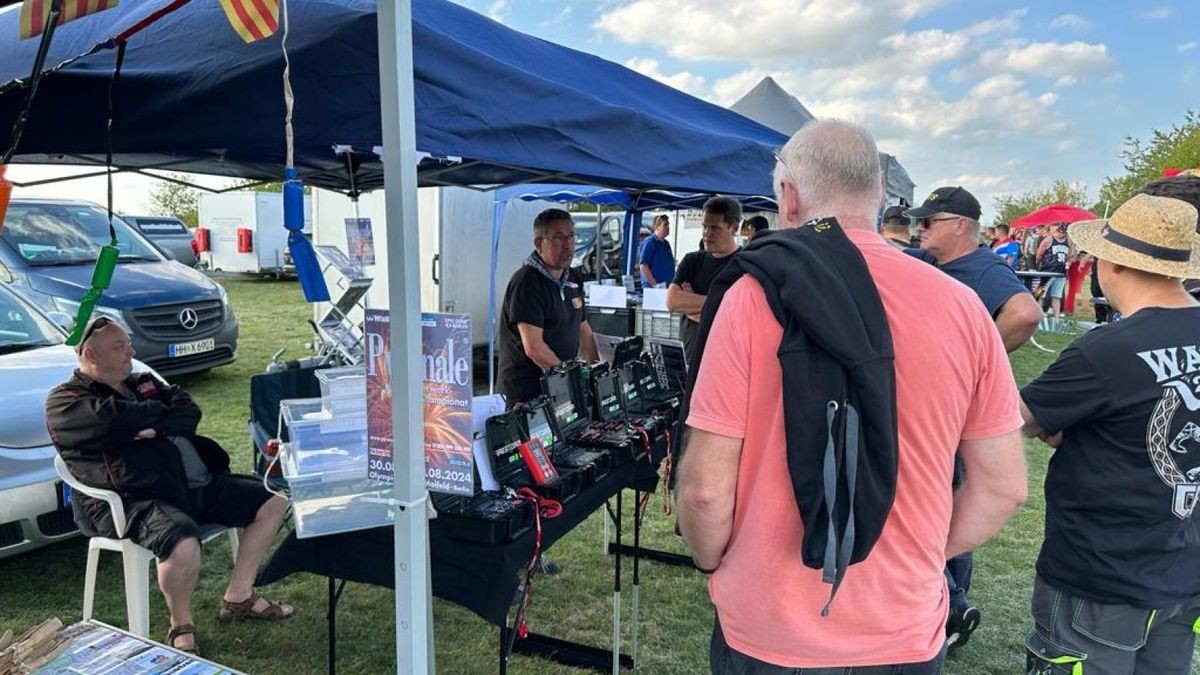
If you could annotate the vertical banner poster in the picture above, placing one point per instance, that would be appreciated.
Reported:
(360, 241)
(378, 330)
(446, 356)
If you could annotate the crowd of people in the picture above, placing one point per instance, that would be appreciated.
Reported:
(790, 443)
(854, 428)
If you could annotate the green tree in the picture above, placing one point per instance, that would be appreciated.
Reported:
(1178, 147)
(1010, 207)
(175, 199)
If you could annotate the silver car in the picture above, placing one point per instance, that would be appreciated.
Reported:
(34, 505)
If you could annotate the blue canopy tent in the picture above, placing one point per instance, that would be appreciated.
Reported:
(634, 202)
(493, 106)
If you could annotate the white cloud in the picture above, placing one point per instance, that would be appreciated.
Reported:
(498, 10)
(1050, 59)
(1157, 13)
(975, 181)
(683, 80)
(1070, 21)
(1009, 23)
(827, 32)
(1186, 47)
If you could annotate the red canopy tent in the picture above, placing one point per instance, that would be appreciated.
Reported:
(1055, 213)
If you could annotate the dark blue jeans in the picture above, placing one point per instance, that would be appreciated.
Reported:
(958, 578)
(724, 660)
(958, 570)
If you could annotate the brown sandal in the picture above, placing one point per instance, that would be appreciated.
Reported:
(238, 611)
(179, 631)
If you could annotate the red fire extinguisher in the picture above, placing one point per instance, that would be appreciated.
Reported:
(200, 240)
(245, 240)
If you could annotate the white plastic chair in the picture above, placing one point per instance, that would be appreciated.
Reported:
(135, 559)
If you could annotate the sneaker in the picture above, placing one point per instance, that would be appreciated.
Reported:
(963, 621)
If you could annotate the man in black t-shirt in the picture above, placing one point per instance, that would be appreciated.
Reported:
(542, 322)
(687, 292)
(1118, 576)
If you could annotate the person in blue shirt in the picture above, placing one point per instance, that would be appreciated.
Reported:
(948, 224)
(657, 261)
(1006, 247)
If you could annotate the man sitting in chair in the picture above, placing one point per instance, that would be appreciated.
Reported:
(134, 435)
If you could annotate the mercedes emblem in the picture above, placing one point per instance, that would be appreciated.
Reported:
(188, 318)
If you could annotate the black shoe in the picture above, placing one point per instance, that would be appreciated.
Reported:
(963, 621)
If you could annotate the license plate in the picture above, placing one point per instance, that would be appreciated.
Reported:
(188, 348)
(64, 495)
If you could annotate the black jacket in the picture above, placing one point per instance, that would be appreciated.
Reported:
(93, 428)
(839, 385)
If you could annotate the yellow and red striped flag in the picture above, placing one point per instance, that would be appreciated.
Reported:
(35, 12)
(252, 19)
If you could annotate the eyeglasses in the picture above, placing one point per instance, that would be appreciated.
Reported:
(779, 158)
(561, 237)
(94, 325)
(926, 223)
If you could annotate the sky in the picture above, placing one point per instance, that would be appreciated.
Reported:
(997, 97)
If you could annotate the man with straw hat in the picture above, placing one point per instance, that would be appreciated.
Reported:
(1118, 578)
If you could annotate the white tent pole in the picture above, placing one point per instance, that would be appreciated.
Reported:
(397, 107)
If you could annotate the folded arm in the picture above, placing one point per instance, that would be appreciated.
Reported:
(90, 424)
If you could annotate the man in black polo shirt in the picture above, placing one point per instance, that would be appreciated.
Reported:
(542, 322)
(689, 289)
(1118, 576)
(948, 224)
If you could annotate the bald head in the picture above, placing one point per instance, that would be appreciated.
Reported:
(106, 355)
(833, 168)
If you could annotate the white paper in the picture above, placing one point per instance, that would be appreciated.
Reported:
(483, 464)
(654, 299)
(483, 407)
(608, 296)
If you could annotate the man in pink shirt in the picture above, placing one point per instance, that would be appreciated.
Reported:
(955, 393)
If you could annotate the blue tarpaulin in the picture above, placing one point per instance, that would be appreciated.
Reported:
(493, 106)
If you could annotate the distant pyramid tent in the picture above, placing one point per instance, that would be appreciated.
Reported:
(769, 105)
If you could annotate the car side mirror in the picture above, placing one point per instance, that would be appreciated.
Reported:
(62, 320)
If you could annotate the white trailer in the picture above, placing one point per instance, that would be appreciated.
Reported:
(455, 242)
(246, 232)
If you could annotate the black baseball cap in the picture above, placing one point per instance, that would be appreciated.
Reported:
(894, 213)
(950, 199)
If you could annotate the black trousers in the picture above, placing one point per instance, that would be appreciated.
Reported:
(724, 660)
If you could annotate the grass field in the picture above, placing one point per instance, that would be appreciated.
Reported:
(676, 617)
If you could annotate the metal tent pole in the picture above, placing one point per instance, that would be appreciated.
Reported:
(414, 634)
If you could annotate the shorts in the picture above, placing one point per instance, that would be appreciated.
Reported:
(229, 499)
(1058, 285)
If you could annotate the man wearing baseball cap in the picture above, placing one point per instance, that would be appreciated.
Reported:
(1117, 588)
(948, 225)
(895, 227)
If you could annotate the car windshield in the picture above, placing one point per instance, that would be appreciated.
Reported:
(22, 327)
(68, 234)
(160, 226)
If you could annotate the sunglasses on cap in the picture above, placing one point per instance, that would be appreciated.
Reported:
(99, 323)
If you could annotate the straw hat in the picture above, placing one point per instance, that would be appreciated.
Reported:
(1153, 234)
